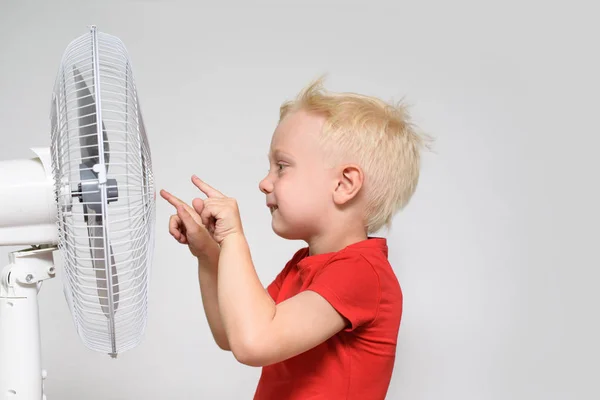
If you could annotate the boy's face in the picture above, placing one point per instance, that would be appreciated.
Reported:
(299, 184)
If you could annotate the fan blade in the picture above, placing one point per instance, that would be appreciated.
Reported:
(96, 239)
(88, 134)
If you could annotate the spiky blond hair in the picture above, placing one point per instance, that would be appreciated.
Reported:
(376, 135)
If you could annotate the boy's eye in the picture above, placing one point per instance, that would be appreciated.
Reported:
(280, 166)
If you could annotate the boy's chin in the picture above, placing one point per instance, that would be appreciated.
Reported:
(286, 232)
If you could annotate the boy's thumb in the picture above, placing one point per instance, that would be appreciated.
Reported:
(198, 205)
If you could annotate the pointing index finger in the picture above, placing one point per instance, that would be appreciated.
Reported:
(170, 198)
(206, 188)
(174, 200)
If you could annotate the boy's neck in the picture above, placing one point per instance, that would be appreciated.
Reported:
(335, 241)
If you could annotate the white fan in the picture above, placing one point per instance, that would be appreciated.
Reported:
(92, 196)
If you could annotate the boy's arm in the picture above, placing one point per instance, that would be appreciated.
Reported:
(260, 332)
(207, 251)
(208, 278)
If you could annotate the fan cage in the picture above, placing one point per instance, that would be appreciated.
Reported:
(125, 250)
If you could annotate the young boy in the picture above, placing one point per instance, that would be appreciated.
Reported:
(341, 165)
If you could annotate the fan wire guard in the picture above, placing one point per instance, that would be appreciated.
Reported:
(104, 192)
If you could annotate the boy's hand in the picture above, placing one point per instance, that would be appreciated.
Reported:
(220, 214)
(194, 234)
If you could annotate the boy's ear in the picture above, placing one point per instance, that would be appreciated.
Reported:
(349, 183)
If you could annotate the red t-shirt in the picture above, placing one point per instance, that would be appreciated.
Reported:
(357, 362)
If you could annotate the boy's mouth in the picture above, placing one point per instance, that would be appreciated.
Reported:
(273, 208)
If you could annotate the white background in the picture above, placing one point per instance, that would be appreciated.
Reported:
(497, 251)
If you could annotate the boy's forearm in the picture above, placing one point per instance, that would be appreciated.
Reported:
(208, 279)
(245, 306)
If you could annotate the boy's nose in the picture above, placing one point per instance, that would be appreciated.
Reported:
(265, 186)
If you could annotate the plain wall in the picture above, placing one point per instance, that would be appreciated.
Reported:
(497, 253)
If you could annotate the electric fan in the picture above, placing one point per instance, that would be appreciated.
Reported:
(91, 195)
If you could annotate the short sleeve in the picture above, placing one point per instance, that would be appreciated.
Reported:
(350, 284)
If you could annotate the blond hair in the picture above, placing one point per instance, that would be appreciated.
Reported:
(376, 135)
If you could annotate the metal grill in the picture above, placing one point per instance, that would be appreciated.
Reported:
(104, 191)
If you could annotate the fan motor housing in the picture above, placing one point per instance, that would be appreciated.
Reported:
(27, 205)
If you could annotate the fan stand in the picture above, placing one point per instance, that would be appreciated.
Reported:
(21, 374)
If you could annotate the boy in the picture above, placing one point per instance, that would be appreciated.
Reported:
(326, 328)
